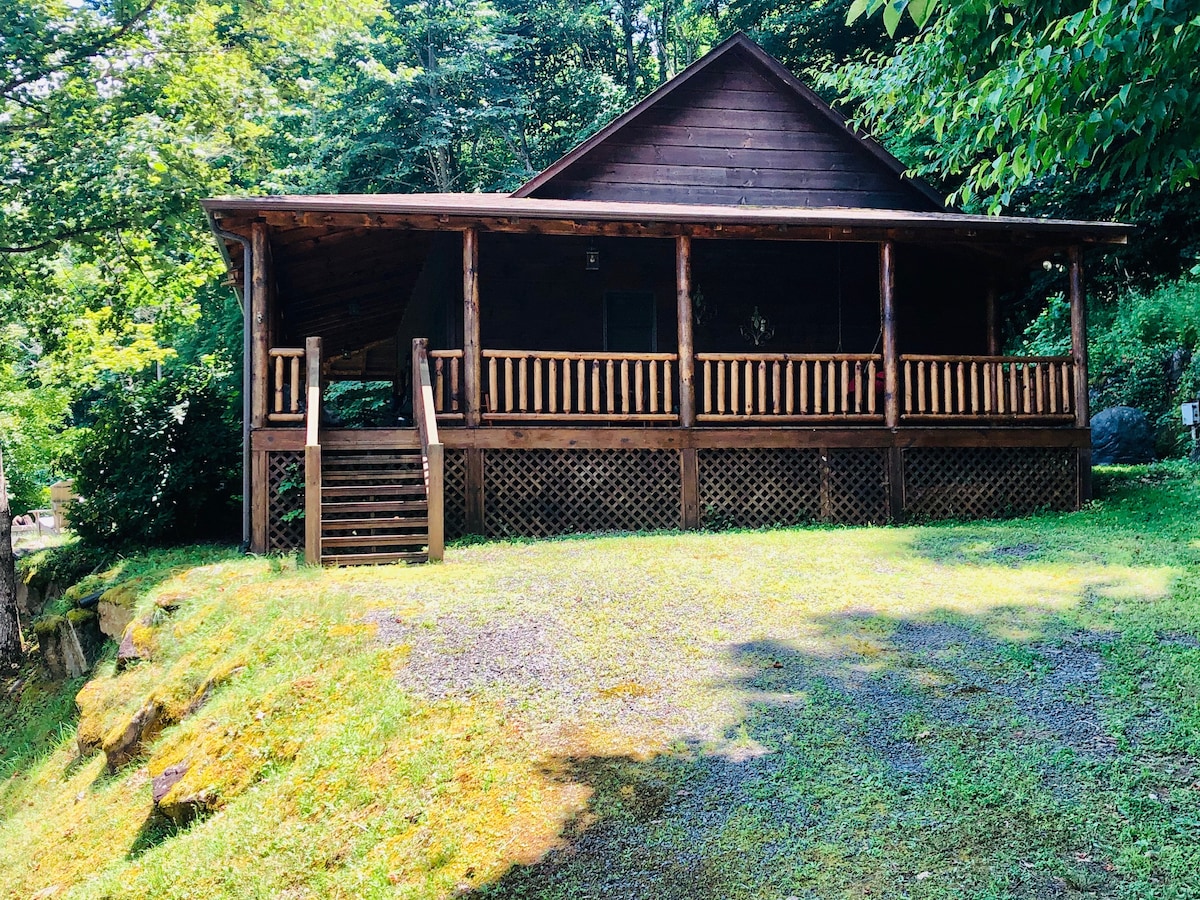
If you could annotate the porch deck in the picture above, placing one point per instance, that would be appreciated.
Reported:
(570, 442)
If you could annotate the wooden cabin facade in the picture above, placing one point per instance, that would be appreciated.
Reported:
(724, 309)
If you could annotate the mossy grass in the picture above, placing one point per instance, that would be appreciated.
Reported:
(992, 709)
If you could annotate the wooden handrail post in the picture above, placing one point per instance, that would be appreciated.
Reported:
(435, 456)
(432, 450)
(687, 348)
(312, 452)
(472, 362)
(891, 359)
(1079, 362)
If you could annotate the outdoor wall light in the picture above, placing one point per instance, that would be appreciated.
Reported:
(593, 259)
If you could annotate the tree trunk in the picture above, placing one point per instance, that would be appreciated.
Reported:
(11, 650)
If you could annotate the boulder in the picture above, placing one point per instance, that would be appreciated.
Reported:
(69, 644)
(173, 799)
(125, 743)
(1121, 435)
(116, 609)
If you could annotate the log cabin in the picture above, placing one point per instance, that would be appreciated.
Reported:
(726, 308)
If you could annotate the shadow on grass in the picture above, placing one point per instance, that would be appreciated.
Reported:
(934, 763)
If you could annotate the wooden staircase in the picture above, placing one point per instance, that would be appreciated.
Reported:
(374, 507)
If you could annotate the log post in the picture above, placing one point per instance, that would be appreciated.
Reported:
(257, 365)
(891, 358)
(474, 491)
(1079, 357)
(472, 358)
(891, 375)
(260, 323)
(690, 483)
(993, 323)
(687, 347)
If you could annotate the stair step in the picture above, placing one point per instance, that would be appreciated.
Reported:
(335, 458)
(389, 475)
(365, 506)
(381, 522)
(372, 559)
(419, 539)
(382, 490)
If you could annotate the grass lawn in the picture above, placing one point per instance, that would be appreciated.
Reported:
(1002, 709)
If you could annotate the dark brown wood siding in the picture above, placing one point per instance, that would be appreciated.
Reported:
(735, 135)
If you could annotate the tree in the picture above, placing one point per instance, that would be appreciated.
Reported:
(11, 649)
(1053, 99)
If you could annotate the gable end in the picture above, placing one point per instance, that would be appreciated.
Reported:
(734, 129)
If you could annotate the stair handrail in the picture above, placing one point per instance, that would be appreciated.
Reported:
(432, 449)
(312, 452)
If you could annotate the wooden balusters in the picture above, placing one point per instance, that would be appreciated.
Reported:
(287, 391)
(987, 387)
(763, 387)
(532, 385)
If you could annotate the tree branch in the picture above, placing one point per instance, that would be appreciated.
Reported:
(59, 238)
(80, 54)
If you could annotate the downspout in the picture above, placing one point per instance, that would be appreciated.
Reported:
(245, 302)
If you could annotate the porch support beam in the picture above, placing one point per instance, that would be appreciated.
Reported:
(993, 323)
(472, 358)
(687, 348)
(891, 358)
(1079, 354)
(260, 323)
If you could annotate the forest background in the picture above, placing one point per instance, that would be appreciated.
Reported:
(120, 344)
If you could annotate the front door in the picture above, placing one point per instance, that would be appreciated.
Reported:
(630, 322)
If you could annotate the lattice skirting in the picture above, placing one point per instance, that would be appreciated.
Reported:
(989, 482)
(285, 494)
(761, 487)
(558, 491)
(456, 493)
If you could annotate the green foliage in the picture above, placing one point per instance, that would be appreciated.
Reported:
(159, 462)
(360, 404)
(1103, 96)
(1145, 352)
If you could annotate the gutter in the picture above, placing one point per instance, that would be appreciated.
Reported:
(244, 302)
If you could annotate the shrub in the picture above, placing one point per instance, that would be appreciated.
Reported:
(160, 462)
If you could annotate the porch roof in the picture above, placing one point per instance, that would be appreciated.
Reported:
(458, 210)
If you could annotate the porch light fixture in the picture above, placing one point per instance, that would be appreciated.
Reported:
(593, 259)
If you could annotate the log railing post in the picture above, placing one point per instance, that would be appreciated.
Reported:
(891, 359)
(687, 347)
(312, 452)
(1079, 360)
(472, 361)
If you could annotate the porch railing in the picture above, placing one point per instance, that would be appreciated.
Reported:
(446, 373)
(994, 387)
(563, 385)
(287, 384)
(763, 387)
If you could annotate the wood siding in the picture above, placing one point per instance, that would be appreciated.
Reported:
(734, 135)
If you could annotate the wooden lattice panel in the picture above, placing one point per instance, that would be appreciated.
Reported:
(989, 482)
(857, 486)
(285, 494)
(455, 493)
(758, 487)
(763, 487)
(556, 491)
